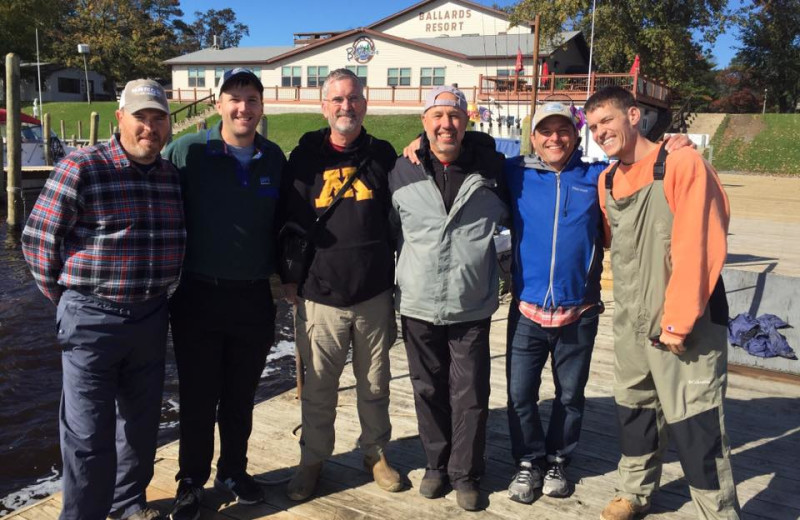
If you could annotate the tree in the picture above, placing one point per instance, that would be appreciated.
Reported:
(222, 24)
(660, 32)
(19, 20)
(735, 91)
(771, 50)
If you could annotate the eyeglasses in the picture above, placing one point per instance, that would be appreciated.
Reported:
(339, 101)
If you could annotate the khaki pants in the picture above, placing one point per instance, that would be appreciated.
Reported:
(324, 335)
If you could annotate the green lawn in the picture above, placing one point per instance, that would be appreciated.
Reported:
(774, 149)
(286, 129)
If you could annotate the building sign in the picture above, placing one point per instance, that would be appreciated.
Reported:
(445, 20)
(362, 51)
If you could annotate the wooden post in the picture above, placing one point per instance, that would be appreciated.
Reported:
(262, 126)
(48, 157)
(63, 130)
(14, 187)
(110, 129)
(94, 121)
(72, 141)
(80, 129)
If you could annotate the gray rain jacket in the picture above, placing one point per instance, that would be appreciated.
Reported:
(447, 269)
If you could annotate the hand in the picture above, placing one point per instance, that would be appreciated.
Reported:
(290, 292)
(678, 141)
(673, 344)
(410, 151)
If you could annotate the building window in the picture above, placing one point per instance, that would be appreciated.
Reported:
(316, 75)
(431, 76)
(291, 76)
(504, 72)
(399, 77)
(218, 75)
(360, 71)
(197, 77)
(69, 85)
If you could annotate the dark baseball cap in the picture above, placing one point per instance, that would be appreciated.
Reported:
(243, 74)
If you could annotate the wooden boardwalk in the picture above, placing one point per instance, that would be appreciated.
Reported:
(763, 420)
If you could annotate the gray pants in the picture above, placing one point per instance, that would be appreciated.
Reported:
(113, 364)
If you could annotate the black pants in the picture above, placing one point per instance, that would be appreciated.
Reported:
(222, 335)
(449, 367)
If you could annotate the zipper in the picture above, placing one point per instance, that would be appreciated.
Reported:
(555, 238)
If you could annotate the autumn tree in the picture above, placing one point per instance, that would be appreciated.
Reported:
(660, 32)
(771, 50)
(220, 23)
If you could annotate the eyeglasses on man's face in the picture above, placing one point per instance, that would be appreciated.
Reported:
(339, 100)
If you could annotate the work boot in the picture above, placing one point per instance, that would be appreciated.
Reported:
(468, 496)
(304, 481)
(384, 475)
(433, 484)
(621, 509)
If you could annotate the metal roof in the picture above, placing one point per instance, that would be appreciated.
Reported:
(490, 46)
(231, 55)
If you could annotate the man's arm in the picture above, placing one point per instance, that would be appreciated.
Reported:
(50, 221)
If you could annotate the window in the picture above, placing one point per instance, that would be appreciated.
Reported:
(290, 76)
(504, 72)
(197, 77)
(399, 77)
(316, 75)
(431, 76)
(218, 75)
(360, 71)
(69, 85)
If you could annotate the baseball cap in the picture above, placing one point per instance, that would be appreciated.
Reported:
(553, 109)
(245, 74)
(459, 102)
(143, 93)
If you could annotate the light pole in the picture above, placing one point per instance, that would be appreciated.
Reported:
(83, 49)
(764, 108)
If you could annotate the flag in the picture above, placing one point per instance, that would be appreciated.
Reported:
(545, 73)
(518, 66)
(636, 65)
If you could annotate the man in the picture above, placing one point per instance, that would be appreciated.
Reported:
(346, 295)
(447, 286)
(558, 243)
(222, 314)
(668, 222)
(104, 242)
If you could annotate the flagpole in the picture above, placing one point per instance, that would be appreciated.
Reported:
(39, 70)
(591, 49)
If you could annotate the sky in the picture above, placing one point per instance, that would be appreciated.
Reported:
(274, 22)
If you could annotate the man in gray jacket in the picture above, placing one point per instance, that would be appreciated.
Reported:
(448, 208)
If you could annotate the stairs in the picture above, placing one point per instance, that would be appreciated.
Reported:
(705, 123)
(189, 122)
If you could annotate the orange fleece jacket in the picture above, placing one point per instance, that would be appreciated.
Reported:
(701, 214)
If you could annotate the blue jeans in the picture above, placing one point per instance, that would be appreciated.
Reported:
(529, 346)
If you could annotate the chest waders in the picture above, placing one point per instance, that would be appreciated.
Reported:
(659, 394)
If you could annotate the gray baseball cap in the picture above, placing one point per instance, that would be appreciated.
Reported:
(143, 93)
(553, 109)
(432, 101)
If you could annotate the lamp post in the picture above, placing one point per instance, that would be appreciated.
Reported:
(83, 49)
(764, 108)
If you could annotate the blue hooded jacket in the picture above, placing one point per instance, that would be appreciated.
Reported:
(557, 233)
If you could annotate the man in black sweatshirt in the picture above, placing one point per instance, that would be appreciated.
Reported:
(345, 298)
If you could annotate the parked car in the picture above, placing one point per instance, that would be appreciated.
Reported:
(32, 142)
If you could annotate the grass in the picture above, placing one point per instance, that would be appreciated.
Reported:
(774, 150)
(286, 129)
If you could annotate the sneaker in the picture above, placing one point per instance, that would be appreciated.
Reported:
(187, 501)
(555, 481)
(304, 481)
(384, 475)
(433, 484)
(148, 513)
(526, 481)
(244, 488)
(622, 509)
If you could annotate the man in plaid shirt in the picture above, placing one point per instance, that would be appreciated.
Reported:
(104, 242)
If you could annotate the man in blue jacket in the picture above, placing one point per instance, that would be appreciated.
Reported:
(558, 256)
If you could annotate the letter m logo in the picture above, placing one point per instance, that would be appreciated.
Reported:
(334, 180)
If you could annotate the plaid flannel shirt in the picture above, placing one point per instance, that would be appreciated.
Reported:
(104, 226)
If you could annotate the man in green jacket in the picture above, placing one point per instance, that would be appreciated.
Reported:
(222, 314)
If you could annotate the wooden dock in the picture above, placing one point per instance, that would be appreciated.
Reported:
(763, 420)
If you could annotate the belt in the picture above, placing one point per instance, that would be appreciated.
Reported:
(221, 282)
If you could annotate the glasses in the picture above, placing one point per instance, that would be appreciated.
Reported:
(339, 101)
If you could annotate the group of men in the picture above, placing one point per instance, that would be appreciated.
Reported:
(117, 225)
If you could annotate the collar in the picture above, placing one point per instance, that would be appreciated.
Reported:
(216, 146)
(534, 162)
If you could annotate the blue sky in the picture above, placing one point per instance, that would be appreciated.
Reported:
(273, 22)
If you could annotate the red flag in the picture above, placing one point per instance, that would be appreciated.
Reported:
(636, 65)
(518, 66)
(545, 73)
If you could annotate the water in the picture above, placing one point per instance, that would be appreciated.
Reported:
(30, 382)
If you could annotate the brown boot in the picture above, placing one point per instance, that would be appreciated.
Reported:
(304, 482)
(385, 476)
(621, 509)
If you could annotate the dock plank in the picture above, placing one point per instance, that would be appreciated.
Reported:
(762, 416)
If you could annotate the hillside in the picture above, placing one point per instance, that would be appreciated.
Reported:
(758, 143)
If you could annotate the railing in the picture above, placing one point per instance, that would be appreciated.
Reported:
(381, 96)
(191, 108)
(189, 95)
